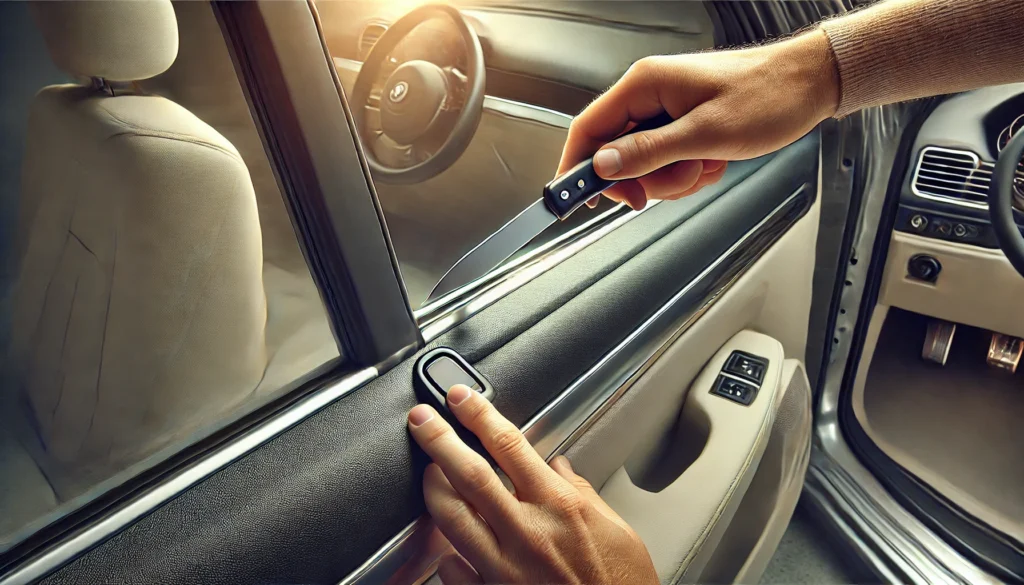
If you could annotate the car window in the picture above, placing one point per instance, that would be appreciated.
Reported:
(497, 171)
(153, 288)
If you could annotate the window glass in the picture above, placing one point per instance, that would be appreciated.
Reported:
(511, 155)
(153, 289)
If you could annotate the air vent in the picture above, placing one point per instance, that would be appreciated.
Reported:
(369, 37)
(956, 176)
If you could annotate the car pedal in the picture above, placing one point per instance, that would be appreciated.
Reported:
(1004, 352)
(937, 341)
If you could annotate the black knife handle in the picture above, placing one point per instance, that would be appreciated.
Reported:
(574, 187)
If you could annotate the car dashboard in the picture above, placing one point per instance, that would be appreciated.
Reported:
(943, 258)
(945, 192)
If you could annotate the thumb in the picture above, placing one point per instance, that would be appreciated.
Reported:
(635, 155)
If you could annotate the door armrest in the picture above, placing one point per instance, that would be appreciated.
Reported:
(681, 499)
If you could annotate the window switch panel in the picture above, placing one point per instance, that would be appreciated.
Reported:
(746, 366)
(735, 390)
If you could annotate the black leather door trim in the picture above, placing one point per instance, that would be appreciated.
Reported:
(573, 411)
(314, 503)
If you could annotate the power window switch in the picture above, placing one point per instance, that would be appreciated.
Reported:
(746, 366)
(735, 390)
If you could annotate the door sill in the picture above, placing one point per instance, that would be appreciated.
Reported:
(892, 542)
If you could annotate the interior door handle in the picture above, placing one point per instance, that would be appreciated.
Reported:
(681, 502)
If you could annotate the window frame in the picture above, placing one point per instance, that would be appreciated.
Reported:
(306, 125)
(338, 221)
(313, 148)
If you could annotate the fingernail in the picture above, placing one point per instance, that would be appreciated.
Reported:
(458, 394)
(420, 414)
(565, 461)
(607, 162)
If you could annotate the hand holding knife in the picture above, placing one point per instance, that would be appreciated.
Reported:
(562, 196)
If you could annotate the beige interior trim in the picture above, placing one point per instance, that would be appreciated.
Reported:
(977, 286)
(907, 442)
(773, 298)
(860, 380)
(788, 454)
(682, 522)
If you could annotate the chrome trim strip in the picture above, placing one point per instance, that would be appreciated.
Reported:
(562, 421)
(527, 111)
(159, 494)
(945, 198)
(464, 302)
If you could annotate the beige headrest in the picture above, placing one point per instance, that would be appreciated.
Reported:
(117, 40)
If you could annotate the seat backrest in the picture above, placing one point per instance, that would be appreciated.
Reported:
(139, 308)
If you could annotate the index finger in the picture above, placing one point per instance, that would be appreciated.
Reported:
(530, 475)
(467, 471)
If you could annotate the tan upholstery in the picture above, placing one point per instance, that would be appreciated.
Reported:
(122, 40)
(139, 308)
(955, 427)
(203, 81)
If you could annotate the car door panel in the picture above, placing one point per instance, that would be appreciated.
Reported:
(676, 494)
(597, 357)
(763, 515)
(316, 501)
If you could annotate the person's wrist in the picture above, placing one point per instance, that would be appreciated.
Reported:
(811, 70)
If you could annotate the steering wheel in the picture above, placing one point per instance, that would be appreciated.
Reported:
(1000, 202)
(427, 114)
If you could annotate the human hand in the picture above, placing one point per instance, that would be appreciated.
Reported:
(555, 529)
(728, 105)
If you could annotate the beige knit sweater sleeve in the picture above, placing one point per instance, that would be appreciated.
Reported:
(905, 49)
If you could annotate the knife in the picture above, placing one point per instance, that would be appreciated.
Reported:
(562, 196)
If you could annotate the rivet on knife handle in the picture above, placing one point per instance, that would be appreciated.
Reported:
(573, 188)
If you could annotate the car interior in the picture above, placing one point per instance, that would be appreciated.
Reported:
(228, 312)
(935, 387)
(227, 227)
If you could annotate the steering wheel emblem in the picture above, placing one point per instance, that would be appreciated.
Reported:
(398, 92)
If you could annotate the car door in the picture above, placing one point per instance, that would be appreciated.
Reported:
(662, 351)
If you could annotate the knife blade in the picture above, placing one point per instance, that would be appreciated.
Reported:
(562, 196)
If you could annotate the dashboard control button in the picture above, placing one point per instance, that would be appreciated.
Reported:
(943, 228)
(959, 230)
(924, 267)
(919, 222)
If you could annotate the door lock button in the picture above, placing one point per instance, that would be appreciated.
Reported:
(438, 370)
(445, 373)
(746, 366)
